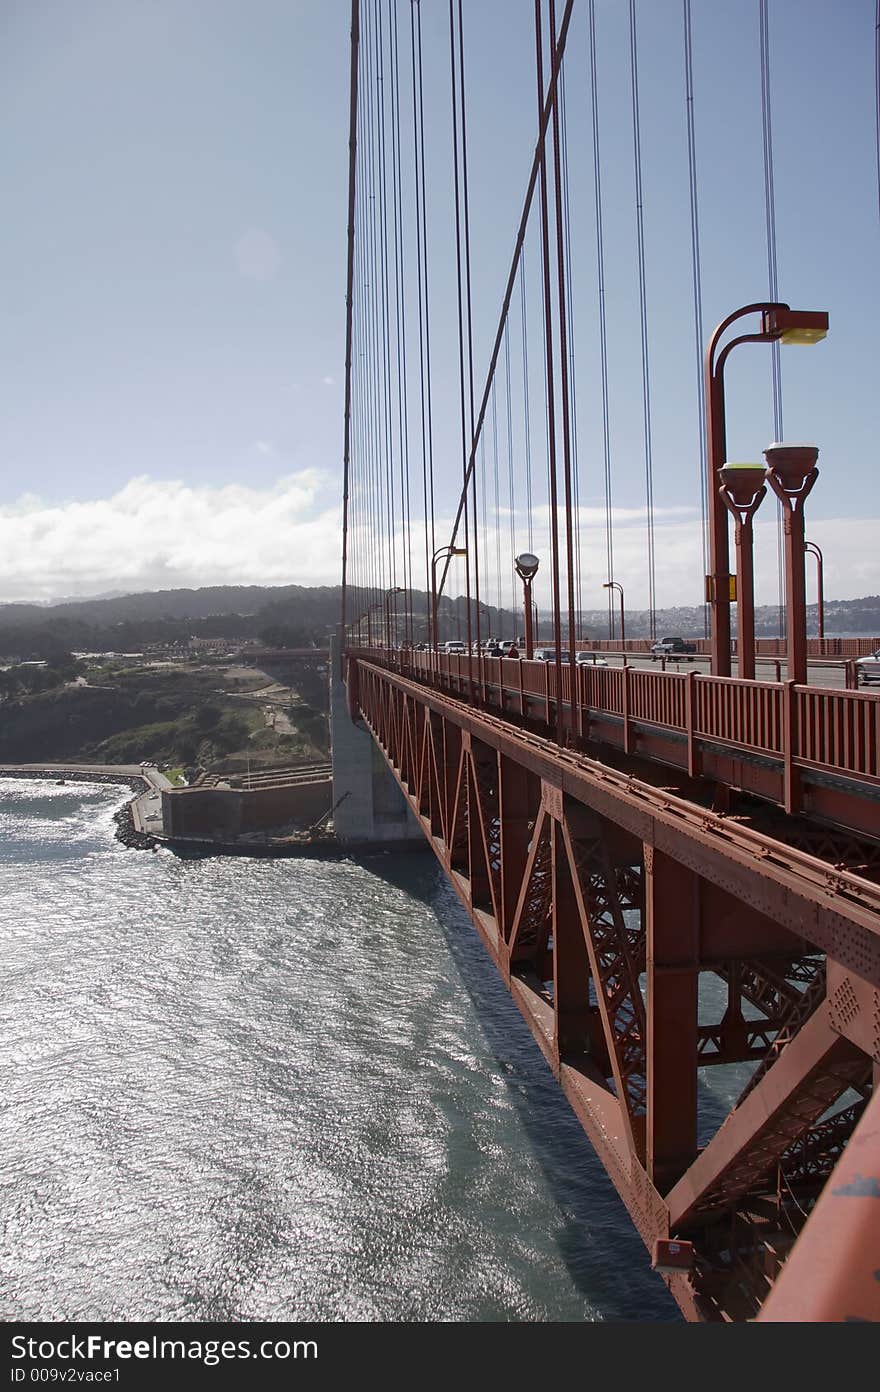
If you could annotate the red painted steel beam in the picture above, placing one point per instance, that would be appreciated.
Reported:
(672, 910)
(832, 1274)
(571, 964)
(814, 1070)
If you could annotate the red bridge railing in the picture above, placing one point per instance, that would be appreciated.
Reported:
(794, 730)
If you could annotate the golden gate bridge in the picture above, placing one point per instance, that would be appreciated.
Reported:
(616, 835)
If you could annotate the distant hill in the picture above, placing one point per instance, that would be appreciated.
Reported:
(300, 614)
(177, 604)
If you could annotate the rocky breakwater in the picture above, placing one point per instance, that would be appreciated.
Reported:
(126, 830)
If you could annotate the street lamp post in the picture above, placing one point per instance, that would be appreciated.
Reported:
(791, 473)
(615, 585)
(820, 587)
(441, 551)
(742, 490)
(369, 618)
(526, 566)
(397, 589)
(356, 624)
(779, 324)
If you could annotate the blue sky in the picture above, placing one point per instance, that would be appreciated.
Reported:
(171, 348)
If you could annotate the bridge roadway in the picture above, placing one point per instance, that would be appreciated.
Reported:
(612, 848)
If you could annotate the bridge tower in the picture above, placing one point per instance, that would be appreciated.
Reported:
(371, 809)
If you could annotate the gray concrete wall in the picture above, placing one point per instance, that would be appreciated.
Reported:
(374, 811)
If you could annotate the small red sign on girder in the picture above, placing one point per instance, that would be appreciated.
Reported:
(672, 1256)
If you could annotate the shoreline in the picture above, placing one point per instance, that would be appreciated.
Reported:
(142, 782)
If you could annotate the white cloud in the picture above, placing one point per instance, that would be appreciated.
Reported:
(156, 534)
(849, 546)
(162, 535)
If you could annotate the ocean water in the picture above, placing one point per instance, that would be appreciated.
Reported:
(276, 1090)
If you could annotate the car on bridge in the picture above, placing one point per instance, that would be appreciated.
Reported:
(672, 648)
(590, 659)
(455, 645)
(549, 655)
(868, 668)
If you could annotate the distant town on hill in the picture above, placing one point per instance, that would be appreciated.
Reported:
(298, 615)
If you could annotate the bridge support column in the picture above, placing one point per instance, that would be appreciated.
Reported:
(672, 909)
(373, 810)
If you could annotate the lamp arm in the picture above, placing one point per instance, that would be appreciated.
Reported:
(760, 308)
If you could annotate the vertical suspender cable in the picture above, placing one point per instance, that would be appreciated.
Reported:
(643, 316)
(697, 275)
(385, 321)
(548, 348)
(515, 260)
(563, 352)
(603, 333)
(470, 329)
(461, 325)
(485, 511)
(425, 388)
(511, 487)
(497, 493)
(527, 425)
(572, 376)
(772, 276)
(400, 312)
(349, 292)
(376, 395)
(877, 95)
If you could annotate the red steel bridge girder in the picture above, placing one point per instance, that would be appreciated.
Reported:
(539, 844)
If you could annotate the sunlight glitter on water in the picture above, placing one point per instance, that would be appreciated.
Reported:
(265, 1090)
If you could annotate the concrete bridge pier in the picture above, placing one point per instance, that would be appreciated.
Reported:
(374, 810)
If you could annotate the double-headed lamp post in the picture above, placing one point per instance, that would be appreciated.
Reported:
(779, 324)
(742, 490)
(440, 552)
(527, 568)
(791, 473)
(820, 587)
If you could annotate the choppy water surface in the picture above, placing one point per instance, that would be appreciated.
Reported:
(276, 1090)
